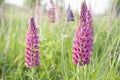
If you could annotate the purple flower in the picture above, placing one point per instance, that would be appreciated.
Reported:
(70, 15)
(83, 38)
(32, 45)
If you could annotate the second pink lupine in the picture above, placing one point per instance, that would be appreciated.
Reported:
(83, 38)
(32, 45)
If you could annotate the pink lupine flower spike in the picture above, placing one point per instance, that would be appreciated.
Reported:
(32, 45)
(83, 38)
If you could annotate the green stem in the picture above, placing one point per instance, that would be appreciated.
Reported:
(84, 71)
(32, 69)
(78, 72)
(62, 49)
(47, 73)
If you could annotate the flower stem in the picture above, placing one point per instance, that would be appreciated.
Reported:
(62, 49)
(78, 72)
(32, 69)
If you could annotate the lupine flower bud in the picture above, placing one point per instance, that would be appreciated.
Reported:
(83, 38)
(32, 45)
(70, 15)
(51, 12)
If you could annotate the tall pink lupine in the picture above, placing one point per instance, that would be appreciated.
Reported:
(32, 45)
(83, 38)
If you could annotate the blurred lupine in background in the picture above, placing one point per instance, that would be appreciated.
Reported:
(32, 45)
(70, 15)
(2, 16)
(117, 7)
(83, 38)
(37, 13)
(57, 13)
(51, 12)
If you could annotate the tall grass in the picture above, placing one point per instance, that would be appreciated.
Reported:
(56, 50)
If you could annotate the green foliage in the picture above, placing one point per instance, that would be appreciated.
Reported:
(31, 3)
(1, 1)
(118, 3)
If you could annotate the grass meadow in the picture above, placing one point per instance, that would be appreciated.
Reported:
(56, 49)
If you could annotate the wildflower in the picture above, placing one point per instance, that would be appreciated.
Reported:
(57, 13)
(37, 13)
(51, 12)
(83, 38)
(70, 15)
(32, 47)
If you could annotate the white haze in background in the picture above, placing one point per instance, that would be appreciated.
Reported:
(98, 6)
(16, 2)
